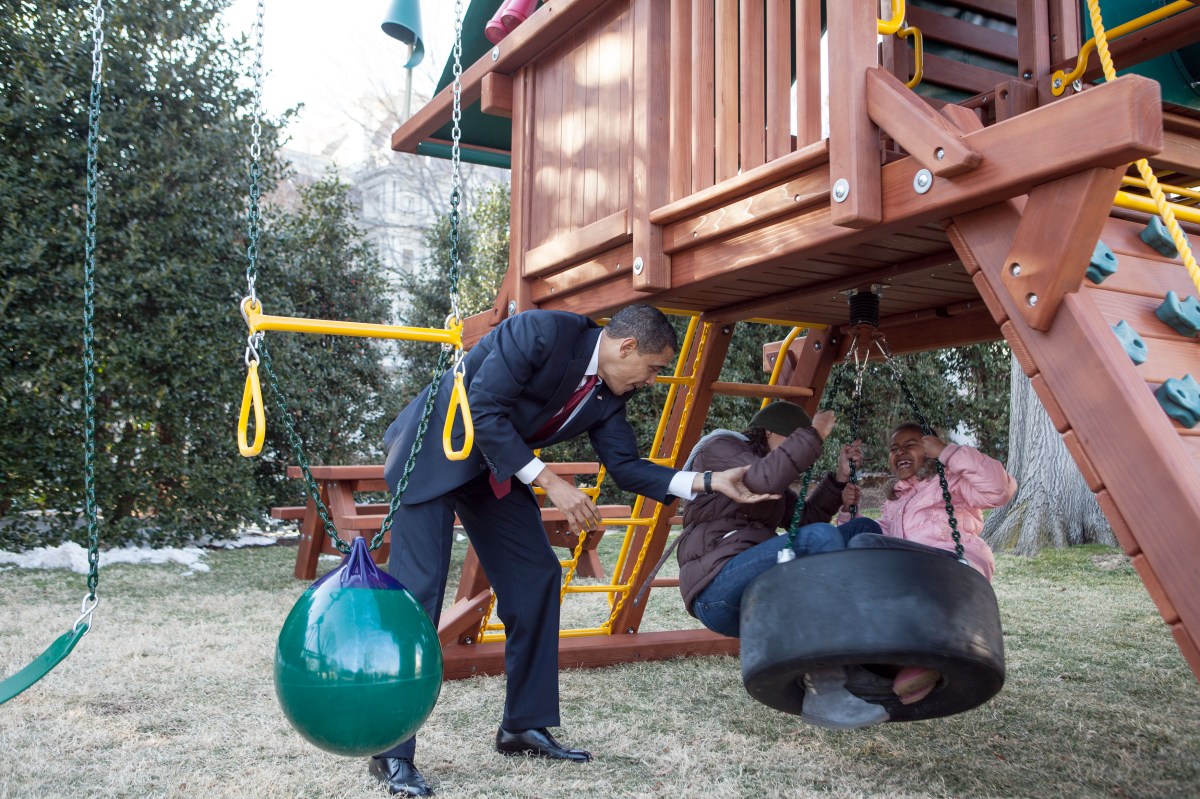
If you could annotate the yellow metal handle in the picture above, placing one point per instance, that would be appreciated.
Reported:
(252, 396)
(1061, 80)
(918, 54)
(458, 402)
(895, 23)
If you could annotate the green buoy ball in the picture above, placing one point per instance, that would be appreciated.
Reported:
(358, 665)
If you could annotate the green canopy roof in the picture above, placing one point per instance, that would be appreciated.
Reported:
(478, 129)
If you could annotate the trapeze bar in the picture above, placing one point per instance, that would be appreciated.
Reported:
(258, 321)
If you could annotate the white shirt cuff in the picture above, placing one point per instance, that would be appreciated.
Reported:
(681, 485)
(529, 471)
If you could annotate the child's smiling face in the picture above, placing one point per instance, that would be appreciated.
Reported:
(907, 453)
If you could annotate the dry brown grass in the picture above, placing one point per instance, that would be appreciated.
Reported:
(171, 695)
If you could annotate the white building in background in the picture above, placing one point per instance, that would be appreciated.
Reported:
(398, 196)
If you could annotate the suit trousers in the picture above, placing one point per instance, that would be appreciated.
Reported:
(510, 541)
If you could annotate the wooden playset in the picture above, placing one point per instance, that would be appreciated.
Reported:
(673, 152)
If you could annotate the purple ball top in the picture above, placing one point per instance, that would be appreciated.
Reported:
(359, 571)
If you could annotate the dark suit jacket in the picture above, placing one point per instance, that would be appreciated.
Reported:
(517, 377)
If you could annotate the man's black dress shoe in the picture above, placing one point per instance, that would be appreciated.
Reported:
(400, 776)
(537, 742)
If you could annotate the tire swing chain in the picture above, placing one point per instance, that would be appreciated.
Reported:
(789, 552)
(881, 343)
(256, 349)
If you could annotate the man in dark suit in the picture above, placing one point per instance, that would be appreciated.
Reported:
(539, 378)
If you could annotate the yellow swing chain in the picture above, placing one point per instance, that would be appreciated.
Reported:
(1143, 166)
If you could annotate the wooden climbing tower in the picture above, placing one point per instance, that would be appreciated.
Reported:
(674, 152)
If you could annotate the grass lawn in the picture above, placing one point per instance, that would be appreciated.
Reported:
(171, 695)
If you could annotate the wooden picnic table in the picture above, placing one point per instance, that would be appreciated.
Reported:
(339, 485)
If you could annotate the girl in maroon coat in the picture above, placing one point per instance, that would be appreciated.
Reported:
(725, 544)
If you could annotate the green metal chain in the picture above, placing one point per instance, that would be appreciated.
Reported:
(254, 213)
(927, 430)
(89, 303)
(831, 395)
(454, 271)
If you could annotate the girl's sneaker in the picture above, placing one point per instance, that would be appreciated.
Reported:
(827, 703)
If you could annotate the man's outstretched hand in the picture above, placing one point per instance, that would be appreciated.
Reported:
(729, 483)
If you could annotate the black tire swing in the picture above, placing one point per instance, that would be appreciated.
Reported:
(876, 609)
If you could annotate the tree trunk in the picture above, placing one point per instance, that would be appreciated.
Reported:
(1053, 506)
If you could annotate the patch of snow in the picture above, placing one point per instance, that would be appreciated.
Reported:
(70, 555)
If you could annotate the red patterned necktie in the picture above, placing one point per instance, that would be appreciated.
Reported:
(556, 421)
(501, 489)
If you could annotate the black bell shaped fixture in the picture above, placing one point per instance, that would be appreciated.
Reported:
(403, 22)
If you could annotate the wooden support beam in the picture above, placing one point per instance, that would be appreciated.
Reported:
(460, 661)
(461, 622)
(651, 130)
(925, 134)
(496, 95)
(1058, 231)
(854, 151)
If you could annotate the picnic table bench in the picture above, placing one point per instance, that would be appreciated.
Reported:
(338, 486)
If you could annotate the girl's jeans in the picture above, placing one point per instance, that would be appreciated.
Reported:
(719, 605)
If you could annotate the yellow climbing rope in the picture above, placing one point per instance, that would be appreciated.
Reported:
(1160, 200)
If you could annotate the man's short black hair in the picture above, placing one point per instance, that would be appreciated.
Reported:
(647, 325)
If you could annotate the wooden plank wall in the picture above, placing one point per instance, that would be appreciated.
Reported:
(579, 160)
(734, 57)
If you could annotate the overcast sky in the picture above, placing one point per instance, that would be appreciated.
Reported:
(327, 55)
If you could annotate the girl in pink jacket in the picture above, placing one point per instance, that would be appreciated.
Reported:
(916, 512)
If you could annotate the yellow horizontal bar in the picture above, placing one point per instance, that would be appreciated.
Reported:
(1129, 180)
(762, 320)
(595, 589)
(580, 632)
(671, 380)
(1136, 202)
(630, 521)
(258, 321)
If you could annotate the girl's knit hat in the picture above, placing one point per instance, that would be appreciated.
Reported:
(781, 417)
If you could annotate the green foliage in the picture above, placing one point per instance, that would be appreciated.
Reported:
(318, 264)
(173, 161)
(483, 253)
(962, 392)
